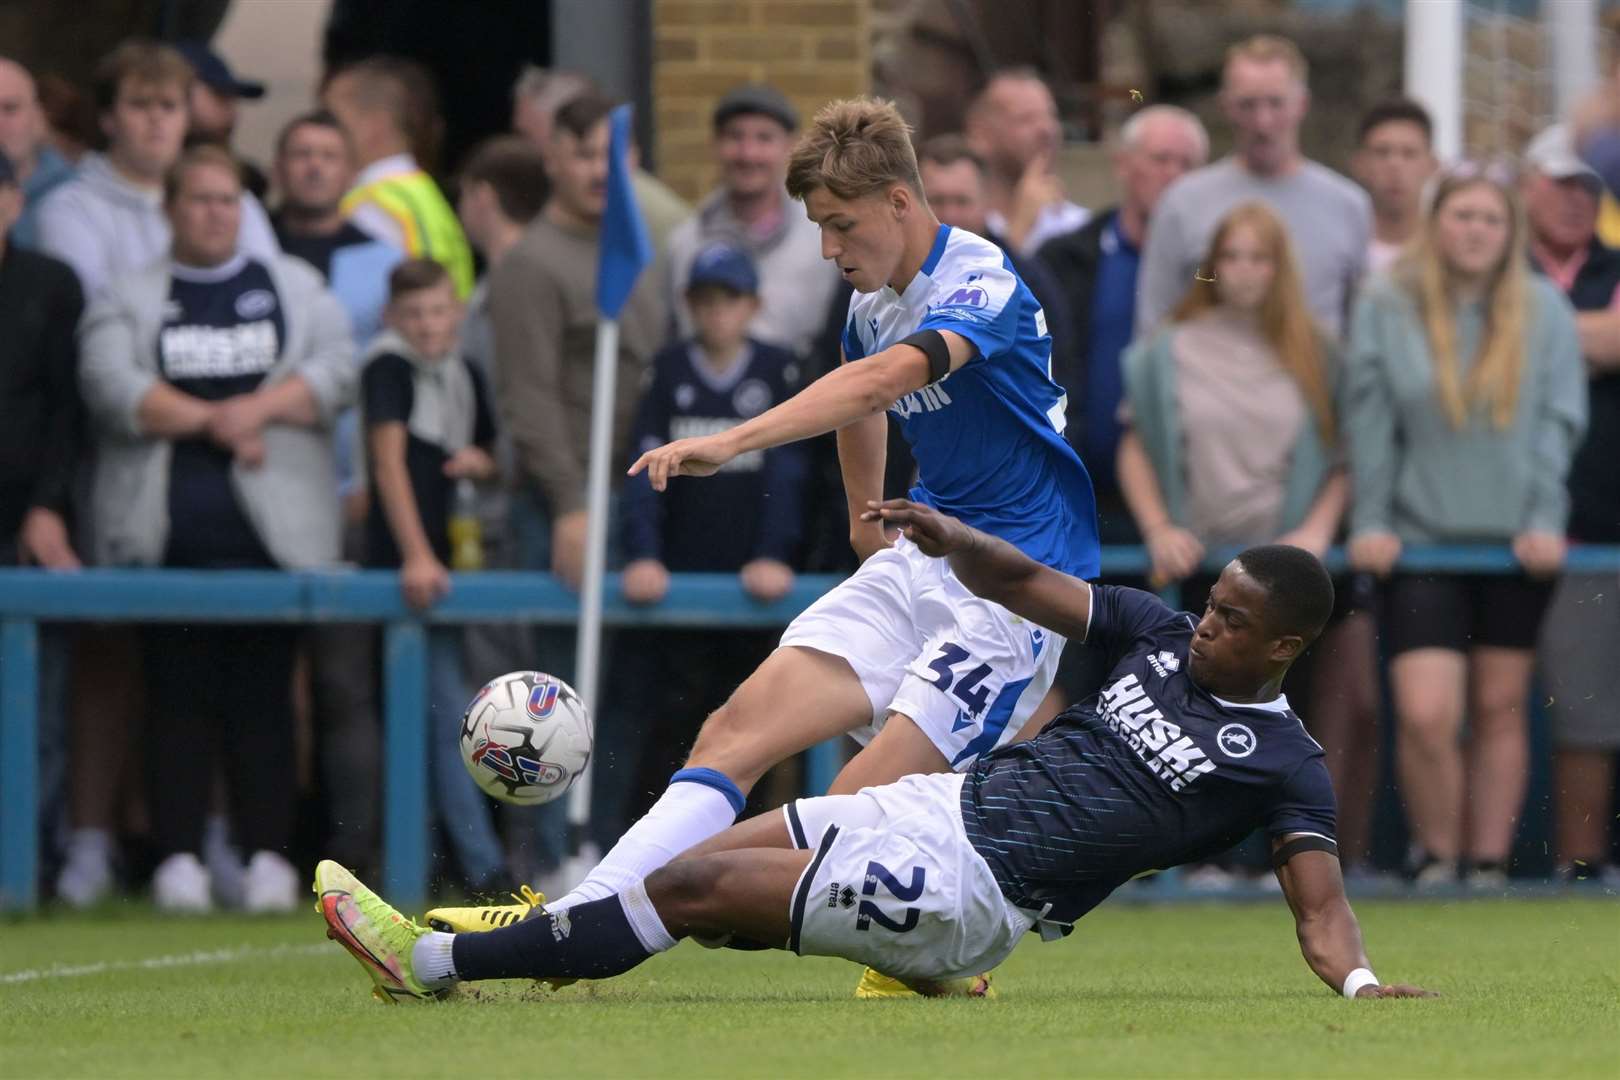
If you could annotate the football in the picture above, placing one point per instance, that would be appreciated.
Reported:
(526, 737)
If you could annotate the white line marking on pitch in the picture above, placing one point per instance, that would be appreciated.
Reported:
(155, 963)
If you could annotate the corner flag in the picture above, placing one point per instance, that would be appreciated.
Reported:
(625, 247)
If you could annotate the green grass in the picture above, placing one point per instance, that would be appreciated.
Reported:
(1532, 988)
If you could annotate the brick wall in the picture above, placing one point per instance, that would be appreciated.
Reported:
(811, 50)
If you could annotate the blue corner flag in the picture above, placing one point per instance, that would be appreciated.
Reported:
(625, 247)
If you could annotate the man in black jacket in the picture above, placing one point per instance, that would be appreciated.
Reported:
(40, 431)
(1095, 267)
(40, 304)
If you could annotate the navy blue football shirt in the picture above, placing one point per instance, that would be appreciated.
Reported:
(1150, 773)
(222, 333)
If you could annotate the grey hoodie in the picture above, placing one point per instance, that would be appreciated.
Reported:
(103, 226)
(291, 499)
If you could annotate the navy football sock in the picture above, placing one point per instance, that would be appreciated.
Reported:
(594, 940)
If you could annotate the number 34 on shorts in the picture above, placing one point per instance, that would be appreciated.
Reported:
(968, 705)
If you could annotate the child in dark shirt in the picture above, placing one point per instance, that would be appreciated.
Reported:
(747, 519)
(428, 425)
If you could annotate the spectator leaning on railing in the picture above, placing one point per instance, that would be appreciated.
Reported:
(1581, 638)
(1232, 439)
(1465, 402)
(746, 520)
(428, 427)
(212, 378)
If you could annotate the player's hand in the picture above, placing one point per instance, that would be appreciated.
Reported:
(766, 579)
(43, 541)
(935, 534)
(424, 581)
(644, 581)
(470, 463)
(1375, 552)
(1174, 552)
(1540, 553)
(568, 548)
(236, 420)
(1395, 990)
(699, 456)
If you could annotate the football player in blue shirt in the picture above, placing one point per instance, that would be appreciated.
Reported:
(1189, 746)
(943, 334)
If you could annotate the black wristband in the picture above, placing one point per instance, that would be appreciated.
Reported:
(1299, 844)
(932, 343)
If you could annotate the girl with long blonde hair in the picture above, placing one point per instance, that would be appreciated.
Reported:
(1466, 398)
(1233, 440)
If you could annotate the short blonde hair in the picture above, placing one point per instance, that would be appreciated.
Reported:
(1269, 49)
(854, 148)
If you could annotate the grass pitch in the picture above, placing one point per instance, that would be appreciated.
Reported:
(1532, 988)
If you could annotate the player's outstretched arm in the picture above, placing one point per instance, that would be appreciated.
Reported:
(992, 568)
(1329, 935)
(855, 390)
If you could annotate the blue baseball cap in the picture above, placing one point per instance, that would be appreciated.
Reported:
(215, 73)
(726, 266)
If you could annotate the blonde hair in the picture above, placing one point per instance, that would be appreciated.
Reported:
(1267, 49)
(1493, 380)
(854, 148)
(1285, 320)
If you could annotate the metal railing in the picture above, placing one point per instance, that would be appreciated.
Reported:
(29, 597)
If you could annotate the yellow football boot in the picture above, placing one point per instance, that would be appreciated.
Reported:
(471, 920)
(875, 984)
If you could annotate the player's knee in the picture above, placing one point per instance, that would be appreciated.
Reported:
(729, 743)
(684, 891)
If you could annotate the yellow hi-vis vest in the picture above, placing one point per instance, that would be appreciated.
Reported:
(430, 228)
(1608, 225)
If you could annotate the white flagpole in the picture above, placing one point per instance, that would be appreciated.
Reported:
(588, 657)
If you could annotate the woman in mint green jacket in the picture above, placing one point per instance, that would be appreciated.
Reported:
(1465, 400)
(1231, 442)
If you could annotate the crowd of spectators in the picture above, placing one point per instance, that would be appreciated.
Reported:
(1254, 349)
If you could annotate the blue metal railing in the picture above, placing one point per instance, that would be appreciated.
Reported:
(28, 597)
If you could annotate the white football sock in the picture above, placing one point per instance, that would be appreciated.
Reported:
(433, 959)
(699, 803)
(644, 920)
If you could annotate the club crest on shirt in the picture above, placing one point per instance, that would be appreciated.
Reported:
(1236, 740)
(255, 304)
(751, 398)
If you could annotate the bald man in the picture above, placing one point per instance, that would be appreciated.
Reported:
(37, 165)
(1013, 126)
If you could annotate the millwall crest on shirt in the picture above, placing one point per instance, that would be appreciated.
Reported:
(1168, 754)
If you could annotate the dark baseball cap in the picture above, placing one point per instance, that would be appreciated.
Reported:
(726, 266)
(8, 174)
(756, 98)
(213, 72)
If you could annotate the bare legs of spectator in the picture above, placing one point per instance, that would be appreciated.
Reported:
(104, 706)
(1430, 687)
(1498, 751)
(1442, 787)
(1344, 718)
(1583, 781)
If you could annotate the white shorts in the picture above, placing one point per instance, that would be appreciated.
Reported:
(968, 672)
(895, 884)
